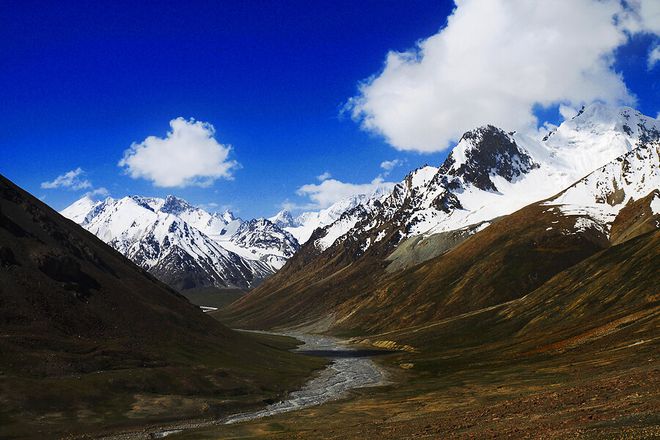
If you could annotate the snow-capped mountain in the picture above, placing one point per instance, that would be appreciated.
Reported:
(264, 240)
(501, 216)
(491, 173)
(184, 245)
(596, 200)
(303, 225)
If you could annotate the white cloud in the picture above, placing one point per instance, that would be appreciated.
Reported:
(493, 62)
(72, 180)
(98, 192)
(325, 176)
(188, 155)
(567, 111)
(389, 165)
(654, 57)
(641, 16)
(330, 191)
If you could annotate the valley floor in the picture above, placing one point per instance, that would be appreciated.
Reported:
(349, 368)
(607, 387)
(143, 404)
(612, 406)
(603, 384)
(614, 394)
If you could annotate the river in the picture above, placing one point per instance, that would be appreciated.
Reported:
(349, 368)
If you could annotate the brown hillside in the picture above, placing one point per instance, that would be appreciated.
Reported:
(504, 261)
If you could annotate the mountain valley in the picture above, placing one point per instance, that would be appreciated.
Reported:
(308, 220)
(510, 291)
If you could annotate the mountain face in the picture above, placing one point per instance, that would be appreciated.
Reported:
(485, 153)
(303, 225)
(90, 341)
(492, 173)
(266, 240)
(451, 239)
(183, 245)
(599, 197)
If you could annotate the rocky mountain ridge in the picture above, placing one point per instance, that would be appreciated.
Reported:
(466, 235)
(184, 245)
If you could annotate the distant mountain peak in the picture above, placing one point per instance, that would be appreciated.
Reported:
(175, 205)
(283, 219)
(184, 245)
(228, 216)
(486, 152)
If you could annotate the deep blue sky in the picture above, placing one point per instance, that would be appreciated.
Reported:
(81, 81)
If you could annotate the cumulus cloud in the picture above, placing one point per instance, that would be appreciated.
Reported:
(640, 16)
(325, 176)
(72, 180)
(331, 191)
(188, 155)
(494, 62)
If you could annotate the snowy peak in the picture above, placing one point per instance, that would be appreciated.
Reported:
(601, 195)
(597, 135)
(184, 245)
(486, 152)
(600, 119)
(265, 235)
(420, 177)
(283, 219)
(229, 216)
(491, 173)
(175, 206)
(302, 226)
(79, 209)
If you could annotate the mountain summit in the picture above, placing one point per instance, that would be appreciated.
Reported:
(501, 215)
(491, 173)
(184, 245)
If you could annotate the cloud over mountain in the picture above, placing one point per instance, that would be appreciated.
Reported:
(331, 191)
(72, 180)
(189, 155)
(493, 62)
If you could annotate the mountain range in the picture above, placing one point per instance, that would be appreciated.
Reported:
(188, 247)
(490, 173)
(499, 217)
(514, 287)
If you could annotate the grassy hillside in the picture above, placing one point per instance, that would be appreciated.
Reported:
(90, 341)
(574, 358)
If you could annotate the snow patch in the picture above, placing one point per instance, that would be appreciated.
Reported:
(655, 205)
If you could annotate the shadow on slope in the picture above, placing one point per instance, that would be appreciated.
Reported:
(90, 341)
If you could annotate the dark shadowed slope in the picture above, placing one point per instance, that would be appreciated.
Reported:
(88, 340)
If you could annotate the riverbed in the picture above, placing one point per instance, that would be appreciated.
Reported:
(350, 368)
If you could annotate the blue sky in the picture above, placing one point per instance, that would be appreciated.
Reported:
(83, 81)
